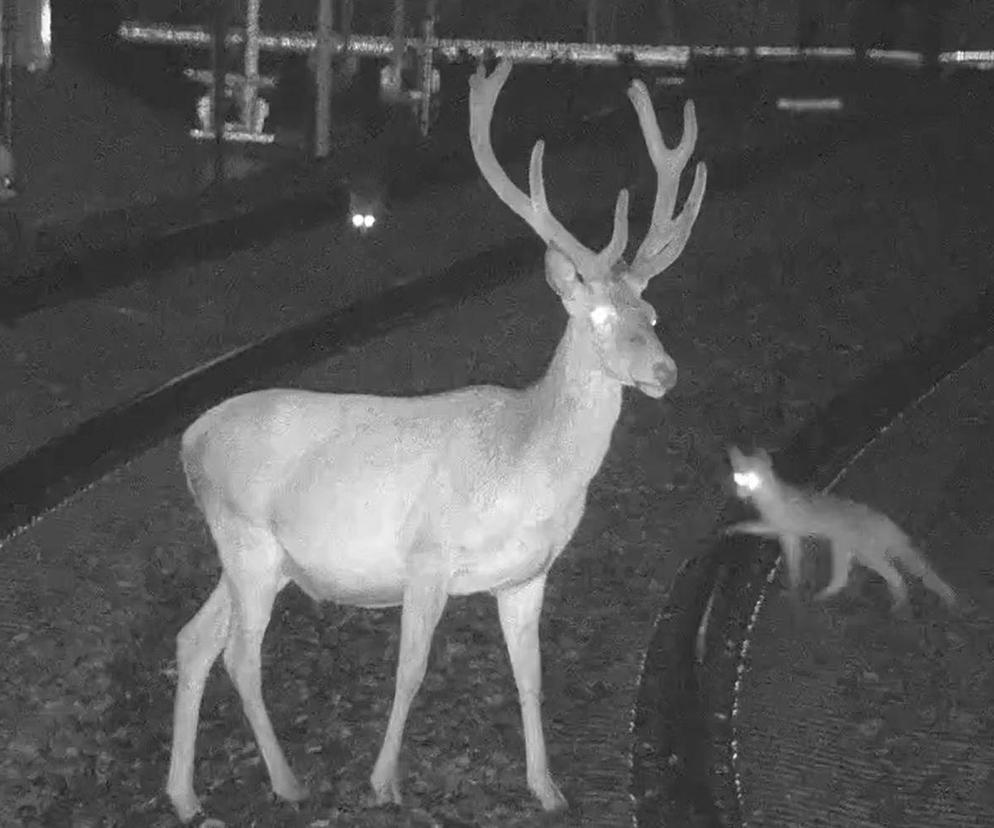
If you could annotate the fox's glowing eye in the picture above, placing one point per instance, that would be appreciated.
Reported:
(747, 480)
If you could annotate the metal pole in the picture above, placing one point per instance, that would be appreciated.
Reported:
(591, 21)
(526, 52)
(427, 70)
(7, 34)
(399, 43)
(324, 78)
(251, 88)
(219, 33)
(348, 60)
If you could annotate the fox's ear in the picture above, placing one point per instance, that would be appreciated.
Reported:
(764, 455)
(735, 456)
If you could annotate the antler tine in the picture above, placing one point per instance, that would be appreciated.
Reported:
(619, 235)
(667, 236)
(533, 208)
(669, 245)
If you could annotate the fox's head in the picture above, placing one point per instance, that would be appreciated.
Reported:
(752, 474)
(366, 202)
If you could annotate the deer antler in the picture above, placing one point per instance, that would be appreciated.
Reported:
(534, 208)
(667, 235)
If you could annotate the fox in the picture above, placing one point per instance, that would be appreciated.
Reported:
(367, 201)
(854, 531)
(8, 174)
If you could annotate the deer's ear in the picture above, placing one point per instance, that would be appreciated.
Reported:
(562, 277)
(735, 456)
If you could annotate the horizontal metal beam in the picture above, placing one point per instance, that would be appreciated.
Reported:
(524, 51)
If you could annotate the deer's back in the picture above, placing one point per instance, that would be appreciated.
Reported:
(343, 480)
(251, 446)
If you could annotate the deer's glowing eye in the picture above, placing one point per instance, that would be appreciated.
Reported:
(747, 480)
(602, 316)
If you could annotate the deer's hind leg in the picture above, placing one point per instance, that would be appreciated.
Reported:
(253, 565)
(198, 645)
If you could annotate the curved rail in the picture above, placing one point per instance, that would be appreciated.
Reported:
(684, 753)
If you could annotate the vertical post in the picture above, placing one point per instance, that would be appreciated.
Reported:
(323, 75)
(347, 64)
(427, 70)
(591, 21)
(7, 50)
(399, 44)
(251, 72)
(219, 33)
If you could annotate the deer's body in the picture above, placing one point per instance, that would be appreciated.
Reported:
(379, 501)
(365, 483)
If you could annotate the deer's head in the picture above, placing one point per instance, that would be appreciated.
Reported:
(599, 289)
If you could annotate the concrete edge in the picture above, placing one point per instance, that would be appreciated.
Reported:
(683, 746)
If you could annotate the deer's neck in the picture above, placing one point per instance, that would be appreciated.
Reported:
(576, 407)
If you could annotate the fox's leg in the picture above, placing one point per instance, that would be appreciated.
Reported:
(751, 527)
(841, 566)
(915, 563)
(880, 564)
(790, 546)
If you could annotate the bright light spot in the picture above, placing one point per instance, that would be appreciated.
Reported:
(357, 220)
(46, 27)
(363, 221)
(601, 315)
(747, 480)
(368, 220)
(810, 104)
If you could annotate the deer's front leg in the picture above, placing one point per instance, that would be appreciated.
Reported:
(520, 609)
(424, 600)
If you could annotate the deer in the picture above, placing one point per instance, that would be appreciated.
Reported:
(385, 501)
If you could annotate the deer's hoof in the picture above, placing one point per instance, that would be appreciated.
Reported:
(549, 795)
(290, 790)
(386, 791)
(186, 805)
